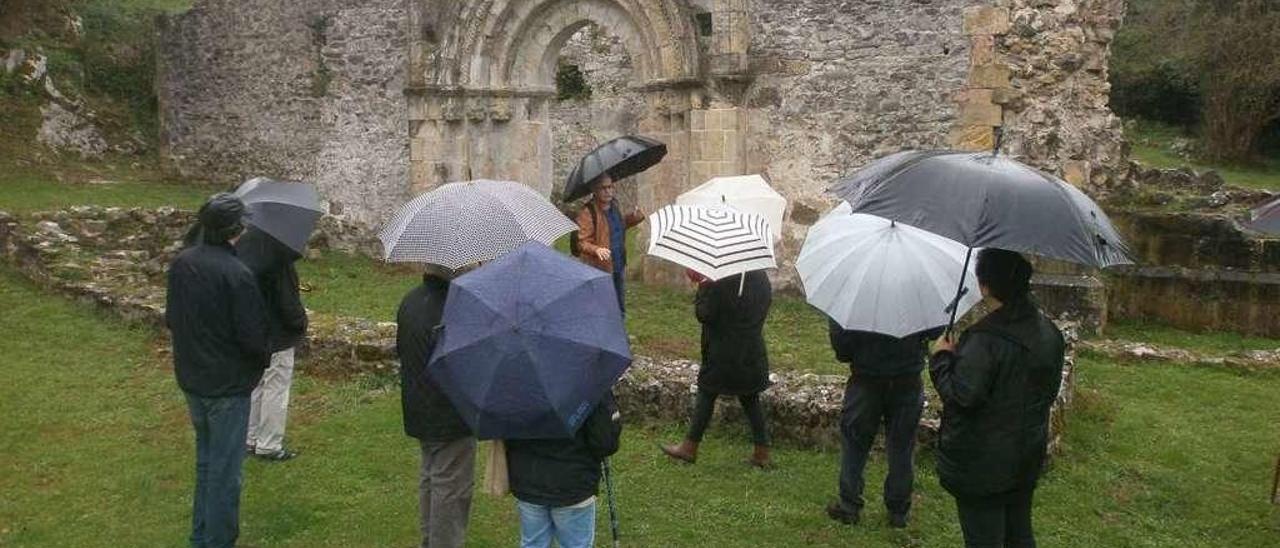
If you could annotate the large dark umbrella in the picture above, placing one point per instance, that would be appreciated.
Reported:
(621, 157)
(531, 343)
(285, 210)
(982, 199)
(1266, 217)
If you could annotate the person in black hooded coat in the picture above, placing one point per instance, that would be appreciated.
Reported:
(997, 385)
(735, 361)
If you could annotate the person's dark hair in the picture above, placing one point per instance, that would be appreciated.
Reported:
(1006, 274)
(221, 218)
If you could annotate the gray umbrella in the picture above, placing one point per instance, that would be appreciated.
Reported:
(287, 211)
(986, 200)
(1266, 217)
(463, 223)
(621, 157)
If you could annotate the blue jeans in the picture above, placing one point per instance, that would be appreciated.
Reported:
(571, 527)
(618, 280)
(869, 403)
(221, 425)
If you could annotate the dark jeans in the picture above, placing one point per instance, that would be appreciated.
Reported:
(706, 405)
(1000, 521)
(897, 403)
(221, 425)
(619, 280)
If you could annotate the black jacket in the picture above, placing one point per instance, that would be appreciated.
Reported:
(734, 358)
(272, 262)
(214, 310)
(996, 390)
(428, 413)
(877, 355)
(564, 472)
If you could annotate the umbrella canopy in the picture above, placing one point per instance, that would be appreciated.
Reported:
(531, 343)
(621, 157)
(872, 274)
(287, 211)
(746, 193)
(714, 242)
(462, 223)
(984, 200)
(1266, 218)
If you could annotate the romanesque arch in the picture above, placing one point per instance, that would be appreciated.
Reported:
(480, 88)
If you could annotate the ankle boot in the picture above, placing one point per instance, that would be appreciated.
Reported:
(760, 457)
(686, 451)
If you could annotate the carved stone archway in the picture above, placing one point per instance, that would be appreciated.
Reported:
(478, 92)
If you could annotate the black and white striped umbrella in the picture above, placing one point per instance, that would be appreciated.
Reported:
(462, 223)
(715, 242)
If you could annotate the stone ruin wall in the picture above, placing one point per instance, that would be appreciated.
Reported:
(377, 100)
(297, 89)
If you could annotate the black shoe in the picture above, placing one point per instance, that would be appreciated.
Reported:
(898, 521)
(841, 514)
(279, 455)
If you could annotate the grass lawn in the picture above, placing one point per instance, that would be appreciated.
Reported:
(1212, 342)
(24, 193)
(98, 453)
(1151, 142)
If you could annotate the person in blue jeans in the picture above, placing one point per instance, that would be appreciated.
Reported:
(555, 481)
(218, 323)
(884, 388)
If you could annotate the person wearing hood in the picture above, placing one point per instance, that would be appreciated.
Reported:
(997, 385)
(272, 263)
(218, 322)
(448, 447)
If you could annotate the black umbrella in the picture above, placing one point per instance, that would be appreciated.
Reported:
(287, 211)
(620, 158)
(1266, 217)
(982, 199)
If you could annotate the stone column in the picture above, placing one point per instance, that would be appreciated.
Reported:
(980, 101)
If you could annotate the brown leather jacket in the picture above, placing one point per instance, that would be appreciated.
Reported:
(593, 236)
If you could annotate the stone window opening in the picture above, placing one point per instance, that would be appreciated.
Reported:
(704, 23)
(571, 83)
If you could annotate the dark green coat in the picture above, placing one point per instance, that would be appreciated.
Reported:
(996, 390)
(734, 358)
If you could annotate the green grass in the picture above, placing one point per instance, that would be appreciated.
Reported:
(27, 193)
(98, 452)
(1211, 342)
(1150, 142)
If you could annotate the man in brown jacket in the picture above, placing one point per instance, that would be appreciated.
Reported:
(602, 229)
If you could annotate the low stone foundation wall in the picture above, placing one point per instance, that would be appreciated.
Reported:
(115, 259)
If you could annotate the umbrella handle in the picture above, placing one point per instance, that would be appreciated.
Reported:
(960, 291)
(613, 507)
(742, 280)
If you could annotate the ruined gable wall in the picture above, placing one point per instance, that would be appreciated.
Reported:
(836, 84)
(303, 89)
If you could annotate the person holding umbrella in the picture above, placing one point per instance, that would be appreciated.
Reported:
(555, 480)
(602, 229)
(602, 226)
(735, 360)
(273, 265)
(997, 386)
(218, 322)
(448, 446)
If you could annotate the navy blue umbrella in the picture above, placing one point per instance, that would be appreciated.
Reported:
(531, 342)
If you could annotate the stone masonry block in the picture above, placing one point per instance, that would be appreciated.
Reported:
(713, 145)
(697, 120)
(729, 119)
(979, 20)
(972, 138)
(982, 50)
(994, 75)
(981, 114)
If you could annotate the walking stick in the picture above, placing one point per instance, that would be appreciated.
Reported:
(1275, 484)
(613, 507)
